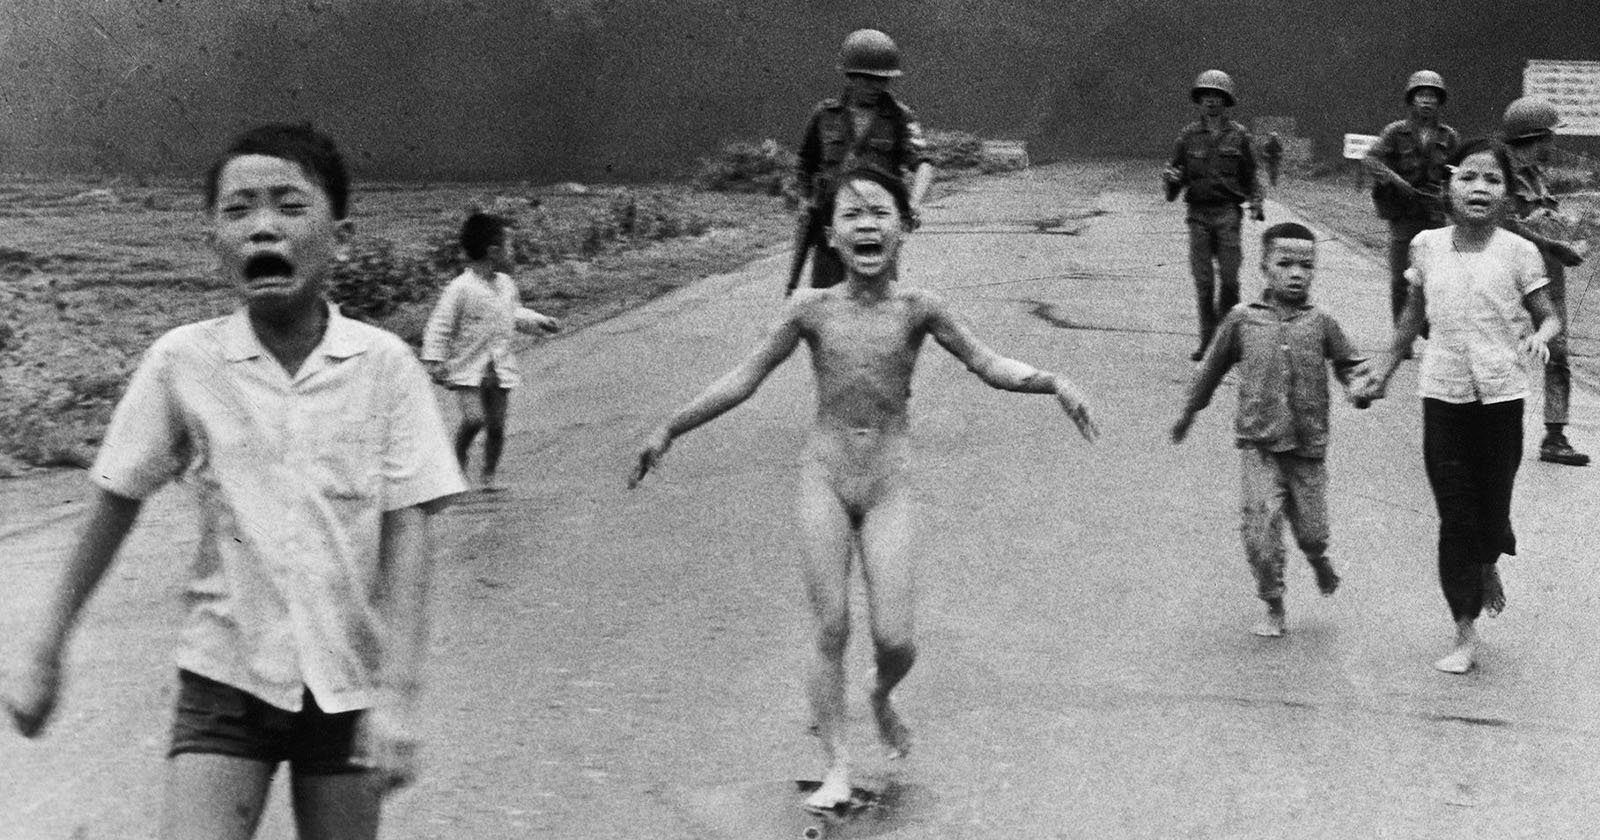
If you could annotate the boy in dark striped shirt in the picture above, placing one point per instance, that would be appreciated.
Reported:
(1281, 345)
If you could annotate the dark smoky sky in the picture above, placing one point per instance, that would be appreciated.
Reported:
(550, 90)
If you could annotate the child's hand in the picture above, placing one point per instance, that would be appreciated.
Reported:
(32, 696)
(1172, 175)
(1366, 389)
(435, 370)
(527, 320)
(1072, 403)
(387, 743)
(1358, 380)
(1534, 345)
(654, 447)
(1180, 429)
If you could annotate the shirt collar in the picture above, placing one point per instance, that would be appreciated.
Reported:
(341, 340)
(1266, 306)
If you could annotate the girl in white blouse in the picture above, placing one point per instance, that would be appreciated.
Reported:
(1479, 289)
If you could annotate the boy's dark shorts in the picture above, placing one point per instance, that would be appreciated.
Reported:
(217, 719)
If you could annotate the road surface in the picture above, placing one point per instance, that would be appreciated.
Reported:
(616, 664)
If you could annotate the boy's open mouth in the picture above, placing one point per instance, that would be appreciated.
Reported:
(868, 249)
(267, 265)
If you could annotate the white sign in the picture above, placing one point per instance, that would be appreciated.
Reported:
(1572, 86)
(1356, 145)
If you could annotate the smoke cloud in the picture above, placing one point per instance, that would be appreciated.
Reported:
(548, 90)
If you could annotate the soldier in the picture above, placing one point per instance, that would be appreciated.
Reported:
(1407, 167)
(1213, 165)
(1272, 153)
(1528, 129)
(866, 126)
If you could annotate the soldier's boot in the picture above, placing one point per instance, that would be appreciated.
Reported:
(1557, 450)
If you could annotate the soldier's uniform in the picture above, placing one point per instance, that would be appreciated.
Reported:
(1417, 154)
(1218, 174)
(1535, 213)
(891, 141)
(1536, 209)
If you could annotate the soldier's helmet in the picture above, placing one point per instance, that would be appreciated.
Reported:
(1528, 118)
(1425, 79)
(1215, 81)
(870, 53)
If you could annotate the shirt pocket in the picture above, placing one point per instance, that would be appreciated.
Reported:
(834, 145)
(1229, 161)
(345, 462)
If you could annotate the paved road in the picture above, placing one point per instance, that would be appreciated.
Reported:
(611, 663)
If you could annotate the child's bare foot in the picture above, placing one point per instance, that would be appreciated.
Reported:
(1271, 627)
(1327, 578)
(1273, 624)
(1459, 661)
(834, 792)
(1494, 594)
(894, 734)
(491, 484)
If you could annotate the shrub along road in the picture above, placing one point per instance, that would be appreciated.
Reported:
(609, 662)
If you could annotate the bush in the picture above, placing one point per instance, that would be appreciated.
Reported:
(377, 278)
(765, 167)
(1567, 179)
(949, 150)
(57, 421)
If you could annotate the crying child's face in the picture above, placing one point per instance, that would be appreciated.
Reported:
(866, 228)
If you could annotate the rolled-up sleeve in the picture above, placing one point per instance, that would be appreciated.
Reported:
(1531, 274)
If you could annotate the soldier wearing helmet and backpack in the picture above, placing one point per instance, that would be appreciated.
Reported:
(1408, 174)
(1528, 129)
(1214, 166)
(866, 126)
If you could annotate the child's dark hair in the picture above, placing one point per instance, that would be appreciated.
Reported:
(895, 186)
(480, 232)
(1285, 230)
(1484, 144)
(313, 151)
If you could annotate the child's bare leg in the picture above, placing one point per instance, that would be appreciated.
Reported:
(494, 433)
(1274, 623)
(344, 806)
(825, 565)
(891, 601)
(470, 402)
(213, 797)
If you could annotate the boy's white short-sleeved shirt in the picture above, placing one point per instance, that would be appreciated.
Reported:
(292, 477)
(1476, 315)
